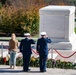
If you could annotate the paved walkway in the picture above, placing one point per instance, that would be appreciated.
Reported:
(4, 70)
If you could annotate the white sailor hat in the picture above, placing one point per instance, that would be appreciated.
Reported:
(43, 33)
(26, 34)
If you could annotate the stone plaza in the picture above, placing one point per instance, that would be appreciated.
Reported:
(4, 70)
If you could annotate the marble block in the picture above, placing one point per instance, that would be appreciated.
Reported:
(58, 23)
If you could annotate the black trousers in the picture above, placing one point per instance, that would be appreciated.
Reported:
(26, 61)
(42, 62)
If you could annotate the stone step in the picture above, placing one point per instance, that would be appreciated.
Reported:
(55, 40)
(61, 45)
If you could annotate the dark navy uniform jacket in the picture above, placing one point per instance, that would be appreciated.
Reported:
(42, 46)
(25, 46)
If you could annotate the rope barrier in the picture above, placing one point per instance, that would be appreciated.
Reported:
(35, 52)
(49, 50)
(65, 56)
(19, 52)
(5, 47)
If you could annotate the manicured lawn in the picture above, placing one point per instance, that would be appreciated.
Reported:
(18, 38)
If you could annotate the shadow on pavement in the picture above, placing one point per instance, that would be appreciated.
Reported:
(34, 72)
(8, 70)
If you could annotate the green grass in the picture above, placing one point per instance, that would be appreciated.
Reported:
(18, 38)
(36, 36)
(4, 38)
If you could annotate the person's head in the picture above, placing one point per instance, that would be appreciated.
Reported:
(27, 35)
(13, 36)
(43, 34)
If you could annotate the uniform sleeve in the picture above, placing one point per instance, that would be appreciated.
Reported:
(21, 46)
(49, 40)
(32, 41)
(37, 46)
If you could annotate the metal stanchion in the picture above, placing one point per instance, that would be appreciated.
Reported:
(1, 49)
(52, 57)
(51, 53)
(52, 50)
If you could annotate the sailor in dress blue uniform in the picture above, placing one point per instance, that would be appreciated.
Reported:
(25, 49)
(42, 49)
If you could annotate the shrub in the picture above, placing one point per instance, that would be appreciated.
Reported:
(75, 29)
(51, 63)
(19, 61)
(21, 17)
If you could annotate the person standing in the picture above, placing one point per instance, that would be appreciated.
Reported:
(25, 49)
(13, 49)
(42, 49)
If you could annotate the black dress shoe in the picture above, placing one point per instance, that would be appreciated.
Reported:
(43, 71)
(25, 70)
(29, 69)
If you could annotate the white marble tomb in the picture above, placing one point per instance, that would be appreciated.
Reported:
(58, 22)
